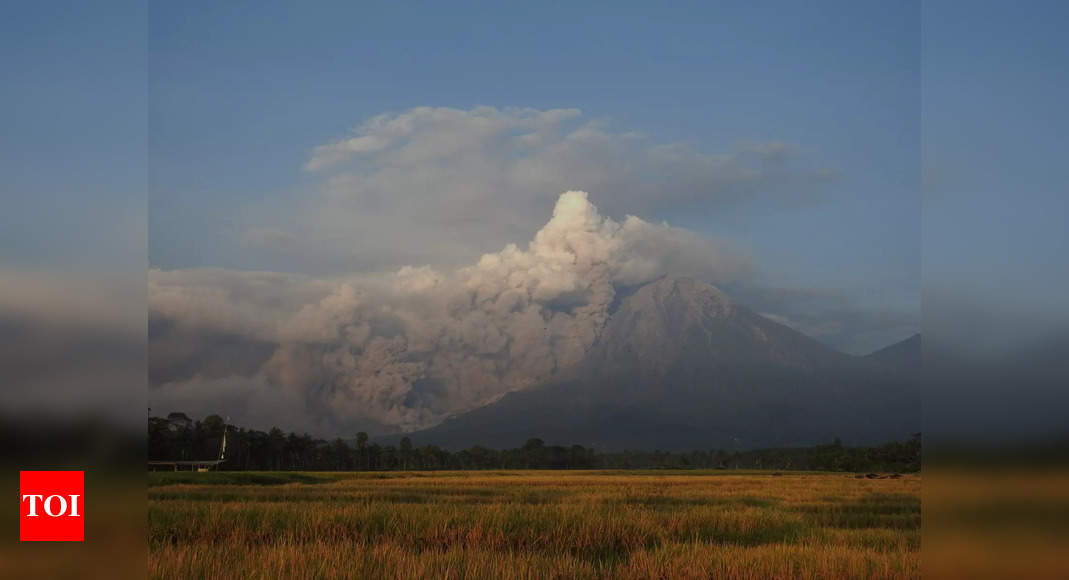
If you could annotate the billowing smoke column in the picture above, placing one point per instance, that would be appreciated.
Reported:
(406, 350)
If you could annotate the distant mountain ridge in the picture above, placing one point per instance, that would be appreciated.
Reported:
(905, 354)
(679, 365)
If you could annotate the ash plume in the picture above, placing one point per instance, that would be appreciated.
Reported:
(404, 350)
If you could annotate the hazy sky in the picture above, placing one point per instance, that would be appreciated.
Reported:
(792, 136)
(73, 136)
(813, 112)
(996, 205)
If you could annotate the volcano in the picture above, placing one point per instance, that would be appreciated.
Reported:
(679, 365)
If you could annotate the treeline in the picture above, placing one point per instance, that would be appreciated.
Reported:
(177, 438)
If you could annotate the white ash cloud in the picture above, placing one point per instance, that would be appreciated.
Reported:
(406, 349)
(442, 185)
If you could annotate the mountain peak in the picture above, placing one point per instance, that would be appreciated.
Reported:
(682, 322)
(681, 296)
(680, 363)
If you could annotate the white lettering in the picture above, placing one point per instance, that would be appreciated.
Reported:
(62, 502)
(33, 504)
(74, 505)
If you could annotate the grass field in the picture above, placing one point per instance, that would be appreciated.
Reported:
(533, 524)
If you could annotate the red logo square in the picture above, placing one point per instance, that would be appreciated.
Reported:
(51, 506)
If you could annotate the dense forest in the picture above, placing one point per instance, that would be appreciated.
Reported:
(178, 438)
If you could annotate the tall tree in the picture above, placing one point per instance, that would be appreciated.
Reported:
(361, 449)
(406, 452)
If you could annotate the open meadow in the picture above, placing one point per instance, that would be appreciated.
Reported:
(533, 524)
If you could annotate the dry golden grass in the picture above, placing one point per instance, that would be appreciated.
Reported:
(537, 525)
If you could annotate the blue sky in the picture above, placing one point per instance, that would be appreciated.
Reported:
(239, 95)
(995, 126)
(73, 136)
